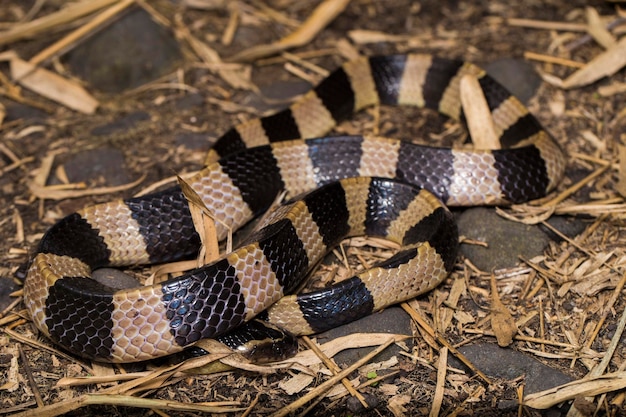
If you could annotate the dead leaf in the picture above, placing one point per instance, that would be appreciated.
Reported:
(580, 388)
(53, 20)
(53, 86)
(396, 404)
(502, 322)
(323, 14)
(442, 367)
(603, 65)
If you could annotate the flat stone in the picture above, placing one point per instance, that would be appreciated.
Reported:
(509, 364)
(7, 286)
(193, 140)
(94, 164)
(517, 75)
(566, 225)
(130, 52)
(506, 240)
(17, 111)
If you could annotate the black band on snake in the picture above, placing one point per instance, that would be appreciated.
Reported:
(246, 169)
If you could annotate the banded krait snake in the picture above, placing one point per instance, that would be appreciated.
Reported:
(246, 169)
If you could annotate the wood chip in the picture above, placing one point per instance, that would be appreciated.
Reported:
(53, 86)
(584, 387)
(479, 121)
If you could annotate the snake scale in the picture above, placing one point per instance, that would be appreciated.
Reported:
(363, 185)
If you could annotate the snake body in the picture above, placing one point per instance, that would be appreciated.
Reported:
(245, 171)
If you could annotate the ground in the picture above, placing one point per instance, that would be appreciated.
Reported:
(566, 301)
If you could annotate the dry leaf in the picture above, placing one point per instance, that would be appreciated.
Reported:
(361, 36)
(502, 322)
(53, 86)
(604, 65)
(12, 374)
(323, 14)
(53, 20)
(396, 404)
(611, 90)
(296, 384)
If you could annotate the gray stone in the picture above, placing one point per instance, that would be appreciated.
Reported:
(130, 52)
(94, 164)
(509, 364)
(517, 75)
(506, 240)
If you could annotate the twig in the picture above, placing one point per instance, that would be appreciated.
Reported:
(587, 37)
(553, 59)
(45, 23)
(415, 316)
(332, 381)
(323, 14)
(330, 364)
(442, 367)
(29, 375)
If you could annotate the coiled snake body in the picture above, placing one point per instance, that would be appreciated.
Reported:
(245, 171)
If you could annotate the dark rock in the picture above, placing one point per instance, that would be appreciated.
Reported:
(94, 164)
(509, 364)
(16, 111)
(518, 76)
(194, 141)
(277, 95)
(506, 240)
(130, 52)
(7, 286)
(189, 101)
(392, 320)
(568, 226)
